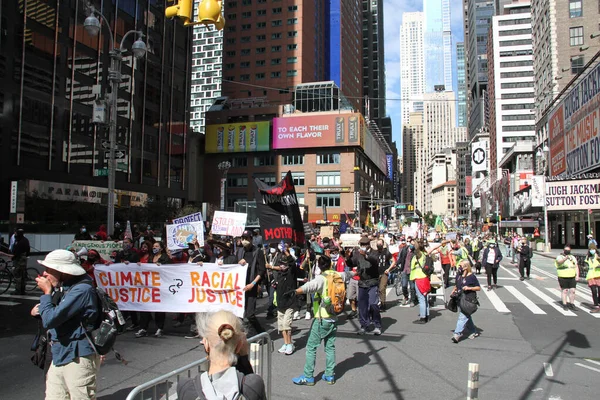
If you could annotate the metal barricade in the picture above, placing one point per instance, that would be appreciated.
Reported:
(164, 387)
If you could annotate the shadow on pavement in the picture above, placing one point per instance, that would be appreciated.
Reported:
(118, 395)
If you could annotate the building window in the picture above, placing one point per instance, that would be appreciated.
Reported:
(576, 36)
(238, 162)
(328, 178)
(261, 50)
(261, 12)
(292, 159)
(268, 179)
(329, 200)
(300, 197)
(292, 60)
(261, 38)
(245, 39)
(260, 25)
(576, 64)
(245, 77)
(519, 74)
(292, 46)
(328, 158)
(260, 63)
(575, 8)
(516, 85)
(230, 66)
(245, 64)
(246, 2)
(275, 49)
(277, 10)
(247, 14)
(276, 36)
(276, 61)
(292, 34)
(519, 42)
(245, 52)
(292, 72)
(260, 75)
(297, 178)
(276, 22)
(231, 16)
(264, 161)
(234, 180)
(231, 41)
(276, 74)
(292, 8)
(292, 21)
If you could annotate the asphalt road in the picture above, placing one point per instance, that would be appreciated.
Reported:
(528, 349)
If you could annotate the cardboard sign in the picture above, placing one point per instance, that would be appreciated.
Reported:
(228, 223)
(180, 288)
(179, 235)
(196, 217)
(103, 248)
(350, 239)
(327, 231)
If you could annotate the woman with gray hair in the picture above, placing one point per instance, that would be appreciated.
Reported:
(226, 346)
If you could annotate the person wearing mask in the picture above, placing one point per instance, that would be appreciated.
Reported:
(385, 263)
(591, 241)
(323, 327)
(128, 254)
(593, 276)
(159, 257)
(83, 234)
(229, 374)
(285, 281)
(491, 262)
(367, 267)
(444, 251)
(416, 272)
(514, 244)
(101, 234)
(20, 252)
(524, 259)
(352, 288)
(273, 258)
(403, 255)
(196, 254)
(148, 235)
(466, 285)
(117, 232)
(145, 252)
(568, 274)
(339, 263)
(476, 247)
(253, 257)
(93, 258)
(315, 246)
(257, 239)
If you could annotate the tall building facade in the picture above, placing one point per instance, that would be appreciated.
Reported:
(272, 46)
(412, 148)
(511, 82)
(207, 71)
(461, 90)
(52, 72)
(562, 45)
(373, 57)
(477, 19)
(412, 71)
(438, 42)
(463, 179)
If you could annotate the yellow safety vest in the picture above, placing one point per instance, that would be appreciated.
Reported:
(416, 270)
(319, 309)
(593, 268)
(566, 269)
(463, 255)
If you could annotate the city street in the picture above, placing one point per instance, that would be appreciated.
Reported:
(529, 348)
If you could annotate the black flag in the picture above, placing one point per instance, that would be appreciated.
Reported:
(278, 211)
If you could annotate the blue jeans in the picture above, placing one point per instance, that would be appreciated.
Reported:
(463, 323)
(368, 309)
(423, 304)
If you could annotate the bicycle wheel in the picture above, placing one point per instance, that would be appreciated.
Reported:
(5, 280)
(30, 283)
(398, 286)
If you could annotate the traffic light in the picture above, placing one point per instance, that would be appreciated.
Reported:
(411, 207)
(209, 13)
(183, 9)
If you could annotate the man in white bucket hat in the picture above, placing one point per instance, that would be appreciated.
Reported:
(67, 308)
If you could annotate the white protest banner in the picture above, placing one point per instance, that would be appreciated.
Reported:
(228, 223)
(178, 288)
(103, 248)
(350, 239)
(179, 235)
(196, 217)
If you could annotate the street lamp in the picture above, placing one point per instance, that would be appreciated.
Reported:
(223, 167)
(543, 154)
(371, 191)
(92, 26)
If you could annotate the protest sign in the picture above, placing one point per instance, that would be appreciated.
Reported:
(278, 211)
(228, 223)
(393, 226)
(350, 239)
(327, 231)
(103, 248)
(308, 230)
(196, 217)
(178, 288)
(179, 235)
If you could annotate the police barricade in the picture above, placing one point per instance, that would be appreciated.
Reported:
(165, 387)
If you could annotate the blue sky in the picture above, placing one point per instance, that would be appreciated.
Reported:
(392, 15)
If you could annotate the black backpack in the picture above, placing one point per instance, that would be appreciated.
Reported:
(428, 266)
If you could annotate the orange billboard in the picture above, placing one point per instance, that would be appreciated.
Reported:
(318, 131)
(556, 133)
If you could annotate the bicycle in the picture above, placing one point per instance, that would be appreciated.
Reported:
(7, 277)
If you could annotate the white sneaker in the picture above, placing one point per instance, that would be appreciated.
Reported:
(290, 348)
(296, 315)
(141, 333)
(307, 316)
(159, 333)
(282, 349)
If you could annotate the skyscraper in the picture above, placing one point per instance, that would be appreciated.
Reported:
(412, 75)
(461, 85)
(438, 42)
(412, 147)
(373, 58)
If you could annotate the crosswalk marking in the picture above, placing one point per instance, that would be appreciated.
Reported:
(592, 361)
(583, 289)
(588, 367)
(526, 302)
(496, 302)
(557, 293)
(550, 301)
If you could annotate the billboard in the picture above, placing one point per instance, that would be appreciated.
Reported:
(479, 156)
(237, 138)
(574, 128)
(573, 195)
(318, 131)
(390, 166)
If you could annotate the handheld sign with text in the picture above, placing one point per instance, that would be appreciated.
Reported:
(278, 211)
(103, 248)
(350, 240)
(327, 231)
(196, 217)
(228, 223)
(179, 235)
(177, 288)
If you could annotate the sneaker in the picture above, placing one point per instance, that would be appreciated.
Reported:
(596, 309)
(361, 331)
(405, 302)
(565, 307)
(159, 333)
(296, 315)
(420, 321)
(522, 278)
(177, 324)
(141, 333)
(489, 288)
(572, 306)
(352, 314)
(303, 380)
(376, 331)
(282, 349)
(307, 316)
(290, 348)
(455, 338)
(131, 328)
(330, 379)
(474, 335)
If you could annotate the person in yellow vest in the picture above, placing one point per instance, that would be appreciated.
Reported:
(568, 274)
(593, 276)
(324, 325)
(416, 274)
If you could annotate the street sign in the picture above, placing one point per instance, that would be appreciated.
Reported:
(119, 155)
(401, 206)
(105, 144)
(101, 172)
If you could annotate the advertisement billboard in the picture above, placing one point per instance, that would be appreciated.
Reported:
(238, 138)
(573, 195)
(479, 156)
(390, 166)
(574, 128)
(318, 131)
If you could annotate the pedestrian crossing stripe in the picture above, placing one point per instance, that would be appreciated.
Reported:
(589, 367)
(496, 302)
(557, 293)
(525, 300)
(550, 301)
